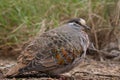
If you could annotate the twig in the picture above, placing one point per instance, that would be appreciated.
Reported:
(107, 75)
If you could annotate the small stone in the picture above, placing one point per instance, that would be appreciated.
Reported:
(1, 64)
(1, 74)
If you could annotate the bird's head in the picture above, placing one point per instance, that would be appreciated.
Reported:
(80, 23)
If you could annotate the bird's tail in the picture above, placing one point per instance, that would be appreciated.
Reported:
(14, 71)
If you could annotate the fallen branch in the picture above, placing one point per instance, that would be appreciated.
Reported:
(105, 75)
(102, 53)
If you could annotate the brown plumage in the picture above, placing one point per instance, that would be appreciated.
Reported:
(55, 51)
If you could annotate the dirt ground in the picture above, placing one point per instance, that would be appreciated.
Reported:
(89, 69)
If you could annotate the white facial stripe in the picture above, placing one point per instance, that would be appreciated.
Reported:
(82, 21)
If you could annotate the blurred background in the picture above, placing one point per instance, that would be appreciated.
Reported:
(21, 20)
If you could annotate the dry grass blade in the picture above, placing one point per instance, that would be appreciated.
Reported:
(42, 27)
(16, 29)
(92, 23)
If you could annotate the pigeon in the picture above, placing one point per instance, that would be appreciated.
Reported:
(55, 51)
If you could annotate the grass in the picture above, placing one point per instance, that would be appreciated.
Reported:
(22, 19)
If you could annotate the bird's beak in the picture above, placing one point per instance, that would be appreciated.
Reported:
(87, 27)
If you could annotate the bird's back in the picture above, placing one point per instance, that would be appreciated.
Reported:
(55, 48)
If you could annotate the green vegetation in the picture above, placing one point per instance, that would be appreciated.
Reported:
(22, 19)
